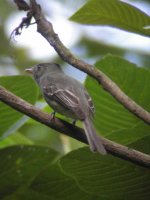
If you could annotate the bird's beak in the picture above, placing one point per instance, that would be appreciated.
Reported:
(29, 70)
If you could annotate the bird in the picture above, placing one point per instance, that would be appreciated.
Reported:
(69, 97)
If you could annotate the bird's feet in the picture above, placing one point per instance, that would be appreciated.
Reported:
(74, 122)
(53, 116)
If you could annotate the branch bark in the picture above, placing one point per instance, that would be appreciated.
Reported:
(45, 28)
(69, 129)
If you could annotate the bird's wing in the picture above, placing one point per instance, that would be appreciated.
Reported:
(90, 102)
(68, 97)
(65, 97)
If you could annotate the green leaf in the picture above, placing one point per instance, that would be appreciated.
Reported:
(111, 118)
(15, 139)
(20, 165)
(106, 176)
(42, 135)
(142, 145)
(95, 48)
(53, 183)
(24, 87)
(4, 47)
(31, 172)
(130, 135)
(6, 8)
(113, 13)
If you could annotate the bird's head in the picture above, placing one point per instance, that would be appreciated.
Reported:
(43, 69)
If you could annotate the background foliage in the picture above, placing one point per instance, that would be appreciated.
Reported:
(32, 160)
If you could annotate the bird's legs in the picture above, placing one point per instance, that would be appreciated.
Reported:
(74, 122)
(53, 115)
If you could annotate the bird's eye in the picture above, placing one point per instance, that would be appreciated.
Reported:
(38, 67)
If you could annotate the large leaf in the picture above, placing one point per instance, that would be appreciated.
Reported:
(106, 176)
(31, 172)
(142, 145)
(53, 183)
(20, 165)
(114, 13)
(111, 118)
(24, 87)
(130, 135)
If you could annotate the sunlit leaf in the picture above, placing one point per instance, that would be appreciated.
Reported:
(114, 13)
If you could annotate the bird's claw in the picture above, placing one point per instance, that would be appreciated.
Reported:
(53, 116)
(74, 122)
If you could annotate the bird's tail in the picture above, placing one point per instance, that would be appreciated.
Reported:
(94, 140)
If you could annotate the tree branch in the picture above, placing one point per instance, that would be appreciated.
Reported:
(45, 28)
(69, 129)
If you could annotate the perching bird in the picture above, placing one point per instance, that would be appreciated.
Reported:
(68, 97)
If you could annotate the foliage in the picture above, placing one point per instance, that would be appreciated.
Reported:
(31, 168)
(114, 13)
(24, 87)
(111, 118)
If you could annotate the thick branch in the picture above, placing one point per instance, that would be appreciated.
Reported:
(45, 28)
(71, 130)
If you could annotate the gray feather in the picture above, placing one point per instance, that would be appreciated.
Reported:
(68, 97)
(94, 140)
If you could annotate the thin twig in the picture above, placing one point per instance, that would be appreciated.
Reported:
(69, 129)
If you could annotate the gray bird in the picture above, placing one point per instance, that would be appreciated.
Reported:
(68, 97)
